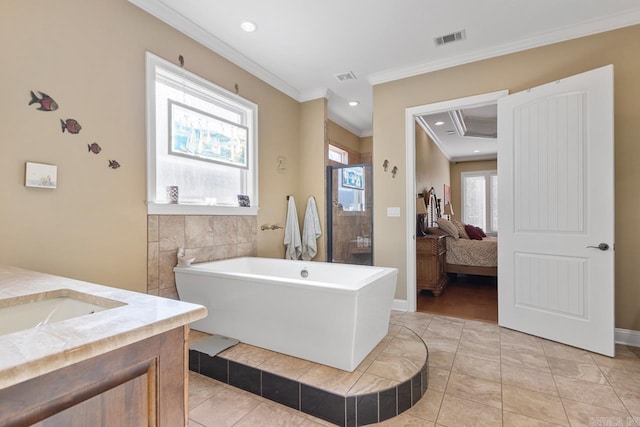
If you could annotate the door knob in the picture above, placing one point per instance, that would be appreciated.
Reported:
(601, 246)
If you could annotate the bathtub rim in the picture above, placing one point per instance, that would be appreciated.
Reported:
(199, 270)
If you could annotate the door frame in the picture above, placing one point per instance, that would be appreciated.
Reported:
(410, 176)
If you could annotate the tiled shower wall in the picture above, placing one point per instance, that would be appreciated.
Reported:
(347, 226)
(207, 238)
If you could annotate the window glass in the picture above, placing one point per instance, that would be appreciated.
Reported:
(351, 189)
(480, 200)
(203, 163)
(474, 201)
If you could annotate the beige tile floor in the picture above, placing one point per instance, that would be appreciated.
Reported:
(479, 375)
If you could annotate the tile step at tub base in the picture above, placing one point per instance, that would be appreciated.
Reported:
(343, 410)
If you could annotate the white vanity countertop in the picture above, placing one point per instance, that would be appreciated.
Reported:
(33, 352)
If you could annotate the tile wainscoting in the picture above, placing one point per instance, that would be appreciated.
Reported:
(207, 238)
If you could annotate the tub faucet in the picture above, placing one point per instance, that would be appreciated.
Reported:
(270, 227)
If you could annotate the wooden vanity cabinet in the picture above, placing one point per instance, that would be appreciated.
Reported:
(141, 384)
(430, 262)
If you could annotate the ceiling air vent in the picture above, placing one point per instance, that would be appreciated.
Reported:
(345, 77)
(450, 38)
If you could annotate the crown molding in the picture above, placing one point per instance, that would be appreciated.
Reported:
(584, 29)
(360, 133)
(421, 122)
(445, 153)
(189, 28)
(461, 159)
(366, 133)
(331, 115)
(310, 95)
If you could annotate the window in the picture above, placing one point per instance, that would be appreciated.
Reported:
(480, 200)
(351, 188)
(338, 155)
(200, 138)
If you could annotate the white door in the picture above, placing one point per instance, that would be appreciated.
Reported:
(555, 175)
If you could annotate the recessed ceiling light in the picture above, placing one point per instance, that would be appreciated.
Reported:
(438, 123)
(476, 151)
(248, 26)
(354, 103)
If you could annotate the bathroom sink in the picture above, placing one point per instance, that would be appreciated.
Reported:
(37, 310)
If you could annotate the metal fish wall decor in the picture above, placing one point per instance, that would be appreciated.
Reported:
(70, 125)
(94, 148)
(46, 102)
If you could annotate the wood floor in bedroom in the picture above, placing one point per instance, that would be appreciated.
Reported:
(466, 297)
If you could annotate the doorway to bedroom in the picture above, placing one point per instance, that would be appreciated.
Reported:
(465, 294)
(456, 243)
(473, 192)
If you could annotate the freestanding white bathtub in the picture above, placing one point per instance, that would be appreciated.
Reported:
(333, 314)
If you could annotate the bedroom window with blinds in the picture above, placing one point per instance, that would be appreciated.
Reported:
(480, 200)
(202, 139)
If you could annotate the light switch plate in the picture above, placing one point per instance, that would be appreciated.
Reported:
(393, 211)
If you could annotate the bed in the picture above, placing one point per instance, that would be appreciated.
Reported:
(468, 256)
(464, 255)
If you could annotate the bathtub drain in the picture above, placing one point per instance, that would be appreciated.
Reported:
(304, 273)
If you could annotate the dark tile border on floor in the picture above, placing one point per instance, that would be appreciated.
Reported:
(347, 411)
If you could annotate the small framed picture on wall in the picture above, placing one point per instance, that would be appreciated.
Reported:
(41, 175)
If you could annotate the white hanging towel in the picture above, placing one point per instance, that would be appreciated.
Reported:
(310, 230)
(292, 242)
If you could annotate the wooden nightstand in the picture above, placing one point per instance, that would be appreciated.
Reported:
(430, 262)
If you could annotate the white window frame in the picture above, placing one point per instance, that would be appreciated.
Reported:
(154, 208)
(487, 193)
(344, 155)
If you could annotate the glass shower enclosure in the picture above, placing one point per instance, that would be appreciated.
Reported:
(350, 214)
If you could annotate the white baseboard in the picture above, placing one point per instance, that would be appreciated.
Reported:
(627, 337)
(400, 305)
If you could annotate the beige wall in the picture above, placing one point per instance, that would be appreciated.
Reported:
(456, 182)
(313, 143)
(342, 138)
(89, 56)
(432, 167)
(517, 72)
(366, 144)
